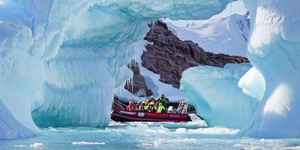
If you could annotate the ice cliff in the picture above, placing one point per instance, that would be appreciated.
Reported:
(273, 81)
(273, 50)
(61, 60)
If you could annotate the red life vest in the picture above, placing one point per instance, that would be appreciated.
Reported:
(130, 108)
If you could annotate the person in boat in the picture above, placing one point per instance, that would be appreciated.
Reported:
(137, 107)
(152, 99)
(152, 107)
(131, 106)
(144, 106)
(162, 99)
(160, 108)
(180, 107)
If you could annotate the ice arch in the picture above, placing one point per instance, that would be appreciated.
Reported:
(63, 59)
(216, 96)
(274, 51)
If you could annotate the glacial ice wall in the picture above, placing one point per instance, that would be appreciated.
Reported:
(273, 50)
(10, 127)
(216, 96)
(61, 60)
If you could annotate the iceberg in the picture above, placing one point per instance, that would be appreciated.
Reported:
(10, 127)
(61, 60)
(216, 96)
(273, 80)
(273, 49)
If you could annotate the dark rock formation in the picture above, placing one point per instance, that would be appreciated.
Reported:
(169, 56)
(137, 84)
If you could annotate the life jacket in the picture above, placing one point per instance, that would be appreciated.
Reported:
(151, 107)
(151, 103)
(151, 100)
(144, 107)
(130, 108)
(163, 100)
(160, 109)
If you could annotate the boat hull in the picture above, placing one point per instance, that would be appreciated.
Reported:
(128, 116)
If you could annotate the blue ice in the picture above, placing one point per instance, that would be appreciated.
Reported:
(61, 60)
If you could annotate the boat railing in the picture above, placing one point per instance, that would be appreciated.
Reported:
(120, 104)
(185, 107)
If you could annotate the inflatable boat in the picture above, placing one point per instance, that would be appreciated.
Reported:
(127, 116)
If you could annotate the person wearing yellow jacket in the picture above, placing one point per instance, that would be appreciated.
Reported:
(143, 106)
(151, 107)
(160, 108)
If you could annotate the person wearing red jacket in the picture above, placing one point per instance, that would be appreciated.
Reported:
(131, 106)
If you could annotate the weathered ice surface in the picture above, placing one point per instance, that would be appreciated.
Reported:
(273, 50)
(216, 96)
(62, 60)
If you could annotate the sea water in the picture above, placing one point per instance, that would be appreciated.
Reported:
(137, 135)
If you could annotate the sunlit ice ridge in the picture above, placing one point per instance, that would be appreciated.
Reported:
(272, 82)
(61, 60)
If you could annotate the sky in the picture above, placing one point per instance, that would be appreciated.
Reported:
(232, 8)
